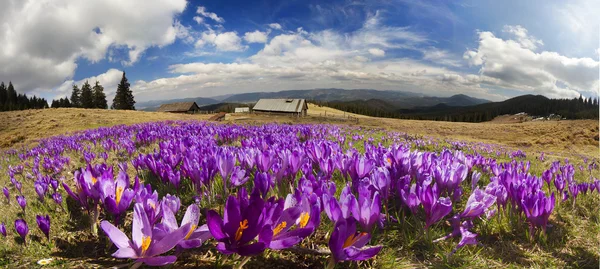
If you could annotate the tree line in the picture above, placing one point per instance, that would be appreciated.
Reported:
(576, 108)
(94, 97)
(11, 100)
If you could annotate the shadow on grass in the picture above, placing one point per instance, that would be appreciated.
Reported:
(579, 258)
(84, 248)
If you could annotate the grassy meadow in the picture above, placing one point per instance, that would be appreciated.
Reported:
(572, 239)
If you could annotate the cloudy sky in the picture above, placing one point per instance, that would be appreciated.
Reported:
(178, 48)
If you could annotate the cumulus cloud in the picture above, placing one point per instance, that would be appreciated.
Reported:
(377, 52)
(302, 60)
(526, 41)
(228, 41)
(275, 26)
(511, 64)
(202, 11)
(35, 55)
(256, 37)
(198, 19)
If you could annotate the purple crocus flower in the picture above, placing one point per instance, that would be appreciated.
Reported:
(346, 244)
(284, 228)
(40, 189)
(57, 197)
(22, 202)
(43, 223)
(435, 207)
(410, 198)
(225, 163)
(3, 229)
(22, 229)
(369, 207)
(172, 201)
(143, 247)
(238, 176)
(241, 223)
(194, 237)
(6, 194)
(478, 203)
(537, 208)
(117, 195)
(347, 206)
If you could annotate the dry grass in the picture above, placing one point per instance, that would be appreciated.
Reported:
(24, 127)
(560, 138)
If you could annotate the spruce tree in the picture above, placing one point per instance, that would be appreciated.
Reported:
(87, 100)
(99, 97)
(124, 97)
(75, 96)
(2, 96)
(11, 98)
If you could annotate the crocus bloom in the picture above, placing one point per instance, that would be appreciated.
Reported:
(435, 207)
(537, 208)
(6, 194)
(369, 208)
(22, 201)
(478, 203)
(3, 229)
(22, 229)
(241, 223)
(278, 232)
(143, 247)
(346, 243)
(172, 202)
(194, 237)
(57, 197)
(116, 194)
(40, 189)
(43, 223)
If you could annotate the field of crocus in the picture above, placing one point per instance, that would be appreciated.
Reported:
(198, 194)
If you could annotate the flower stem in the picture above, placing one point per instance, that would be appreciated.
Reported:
(243, 262)
(331, 263)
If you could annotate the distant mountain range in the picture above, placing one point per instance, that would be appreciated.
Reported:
(398, 99)
(537, 105)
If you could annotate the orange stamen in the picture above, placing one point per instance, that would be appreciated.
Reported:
(240, 230)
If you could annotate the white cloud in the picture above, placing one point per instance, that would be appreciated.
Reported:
(377, 52)
(42, 40)
(510, 64)
(526, 41)
(275, 26)
(228, 41)
(256, 37)
(442, 57)
(302, 60)
(202, 11)
(198, 19)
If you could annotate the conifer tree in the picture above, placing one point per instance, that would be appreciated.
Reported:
(75, 97)
(3, 96)
(87, 100)
(99, 97)
(124, 97)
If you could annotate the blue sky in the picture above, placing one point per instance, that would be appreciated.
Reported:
(177, 48)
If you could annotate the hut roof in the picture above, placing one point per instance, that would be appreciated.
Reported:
(178, 107)
(280, 105)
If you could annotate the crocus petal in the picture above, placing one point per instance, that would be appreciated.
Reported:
(252, 249)
(169, 241)
(285, 242)
(116, 236)
(125, 253)
(215, 225)
(192, 215)
(357, 254)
